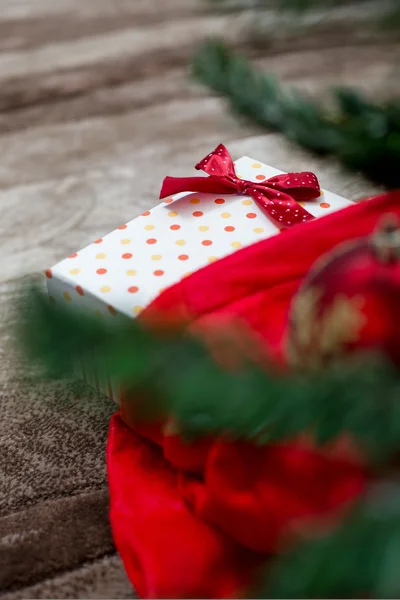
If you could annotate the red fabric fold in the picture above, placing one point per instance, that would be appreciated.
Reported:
(201, 536)
(167, 551)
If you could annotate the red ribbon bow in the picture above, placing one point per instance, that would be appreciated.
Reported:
(278, 196)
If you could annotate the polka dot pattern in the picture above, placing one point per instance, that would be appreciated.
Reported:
(122, 272)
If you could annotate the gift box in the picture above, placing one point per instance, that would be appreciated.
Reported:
(122, 272)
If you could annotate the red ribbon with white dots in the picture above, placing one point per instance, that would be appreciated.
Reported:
(278, 196)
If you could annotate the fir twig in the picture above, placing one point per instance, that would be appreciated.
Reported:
(358, 559)
(363, 136)
(181, 379)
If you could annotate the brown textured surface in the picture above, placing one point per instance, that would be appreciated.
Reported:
(95, 108)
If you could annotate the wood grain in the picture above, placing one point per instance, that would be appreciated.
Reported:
(96, 107)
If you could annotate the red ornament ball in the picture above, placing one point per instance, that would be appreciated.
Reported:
(350, 301)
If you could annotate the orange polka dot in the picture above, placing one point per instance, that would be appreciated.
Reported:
(247, 202)
(195, 201)
(256, 165)
(126, 241)
(74, 255)
(173, 213)
(183, 257)
(187, 274)
(197, 213)
(124, 226)
(225, 215)
(80, 290)
(325, 205)
(98, 241)
(145, 214)
(161, 290)
(169, 201)
(112, 310)
(52, 301)
(101, 271)
(302, 204)
(206, 242)
(67, 296)
(151, 241)
(131, 272)
(75, 271)
(180, 242)
(137, 309)
(219, 201)
(150, 227)
(175, 227)
(49, 273)
(258, 230)
(251, 215)
(127, 255)
(212, 259)
(133, 289)
(156, 257)
(105, 289)
(203, 228)
(260, 177)
(229, 228)
(100, 256)
(236, 245)
(158, 273)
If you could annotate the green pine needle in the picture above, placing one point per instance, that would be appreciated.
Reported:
(181, 379)
(357, 559)
(363, 136)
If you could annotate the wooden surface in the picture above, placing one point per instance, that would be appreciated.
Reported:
(95, 109)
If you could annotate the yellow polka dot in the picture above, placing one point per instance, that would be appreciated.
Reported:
(195, 201)
(239, 176)
(156, 257)
(172, 213)
(131, 272)
(137, 309)
(256, 165)
(225, 215)
(302, 203)
(247, 202)
(101, 255)
(105, 289)
(258, 229)
(161, 290)
(125, 241)
(187, 274)
(67, 296)
(75, 271)
(212, 259)
(236, 245)
(203, 228)
(180, 242)
(150, 227)
(322, 193)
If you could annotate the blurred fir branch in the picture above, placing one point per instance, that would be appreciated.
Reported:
(357, 559)
(181, 379)
(363, 136)
(297, 6)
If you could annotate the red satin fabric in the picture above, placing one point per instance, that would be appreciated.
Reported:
(244, 502)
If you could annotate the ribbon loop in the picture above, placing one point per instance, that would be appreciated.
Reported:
(278, 196)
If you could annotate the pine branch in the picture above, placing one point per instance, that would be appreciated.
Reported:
(363, 136)
(181, 379)
(358, 559)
